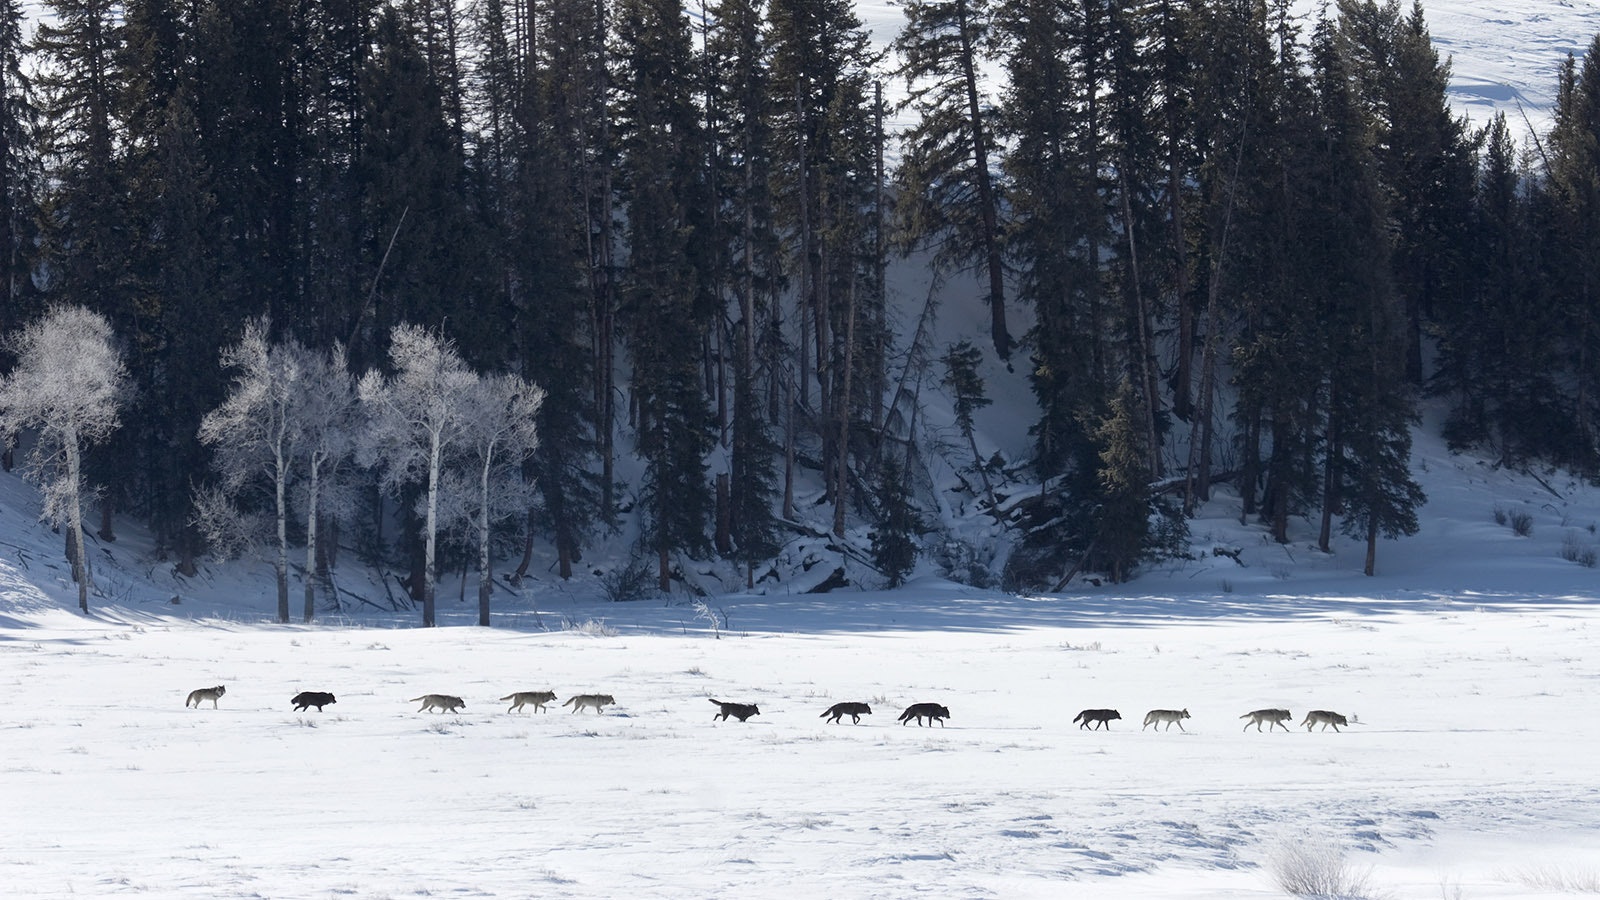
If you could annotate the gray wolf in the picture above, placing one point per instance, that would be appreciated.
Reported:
(1271, 716)
(1098, 717)
(1169, 716)
(210, 693)
(1326, 718)
(319, 699)
(523, 698)
(441, 702)
(740, 711)
(596, 701)
(854, 710)
(933, 712)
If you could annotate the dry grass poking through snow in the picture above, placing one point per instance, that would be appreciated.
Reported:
(1309, 867)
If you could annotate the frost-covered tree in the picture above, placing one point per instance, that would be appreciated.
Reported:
(418, 417)
(68, 384)
(255, 432)
(329, 420)
(502, 414)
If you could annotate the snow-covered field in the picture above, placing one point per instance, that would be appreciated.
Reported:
(1468, 668)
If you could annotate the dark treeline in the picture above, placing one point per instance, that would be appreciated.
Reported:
(1247, 244)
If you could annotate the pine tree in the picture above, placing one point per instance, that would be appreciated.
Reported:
(20, 176)
(1422, 152)
(745, 258)
(827, 185)
(1367, 440)
(1573, 170)
(86, 227)
(949, 186)
(182, 319)
(422, 247)
(966, 387)
(1496, 366)
(1122, 502)
(1052, 199)
(665, 301)
(894, 541)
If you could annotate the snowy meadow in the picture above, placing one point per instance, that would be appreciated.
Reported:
(1467, 671)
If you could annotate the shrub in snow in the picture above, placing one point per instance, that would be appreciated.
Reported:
(1305, 867)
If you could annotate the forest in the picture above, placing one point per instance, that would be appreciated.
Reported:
(405, 278)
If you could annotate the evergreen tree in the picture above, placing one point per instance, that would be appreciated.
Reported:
(87, 234)
(827, 185)
(1367, 441)
(1496, 366)
(1052, 200)
(20, 180)
(423, 244)
(1423, 155)
(894, 541)
(950, 192)
(665, 301)
(182, 319)
(966, 387)
(1573, 172)
(1122, 503)
(745, 257)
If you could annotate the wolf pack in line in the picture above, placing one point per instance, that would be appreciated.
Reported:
(1092, 719)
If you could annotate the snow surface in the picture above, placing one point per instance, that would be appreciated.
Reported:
(1467, 667)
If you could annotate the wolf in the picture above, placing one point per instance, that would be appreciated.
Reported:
(441, 702)
(1169, 716)
(1097, 716)
(319, 699)
(855, 711)
(523, 698)
(210, 693)
(740, 711)
(933, 712)
(1271, 716)
(1326, 718)
(597, 701)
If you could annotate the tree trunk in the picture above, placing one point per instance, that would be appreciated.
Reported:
(993, 260)
(1330, 486)
(485, 563)
(1149, 389)
(80, 559)
(1371, 566)
(788, 449)
(1250, 466)
(841, 457)
(281, 565)
(527, 552)
(430, 535)
(311, 539)
(107, 532)
(724, 516)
